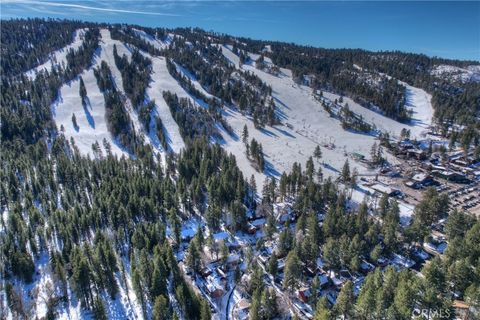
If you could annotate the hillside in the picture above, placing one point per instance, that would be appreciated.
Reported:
(131, 156)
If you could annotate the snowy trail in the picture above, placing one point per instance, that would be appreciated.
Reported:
(151, 39)
(417, 99)
(92, 126)
(122, 49)
(308, 126)
(192, 78)
(163, 81)
(59, 57)
(421, 103)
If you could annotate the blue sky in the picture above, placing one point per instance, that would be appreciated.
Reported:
(437, 28)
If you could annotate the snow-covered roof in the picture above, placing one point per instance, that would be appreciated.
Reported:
(402, 261)
(220, 236)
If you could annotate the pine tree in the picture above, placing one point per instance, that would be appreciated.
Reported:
(273, 265)
(224, 252)
(245, 135)
(374, 153)
(344, 305)
(317, 153)
(82, 90)
(193, 258)
(161, 309)
(292, 270)
(99, 312)
(269, 304)
(346, 172)
(321, 311)
(309, 168)
(205, 313)
(255, 306)
(74, 121)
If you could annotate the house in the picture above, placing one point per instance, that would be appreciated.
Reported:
(417, 154)
(462, 310)
(264, 257)
(357, 285)
(436, 247)
(422, 178)
(366, 267)
(337, 279)
(451, 176)
(214, 286)
(233, 260)
(381, 188)
(323, 279)
(401, 262)
(304, 294)
(205, 272)
(258, 223)
(421, 254)
(241, 309)
(419, 180)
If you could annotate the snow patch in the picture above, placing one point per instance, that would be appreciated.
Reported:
(468, 74)
(59, 57)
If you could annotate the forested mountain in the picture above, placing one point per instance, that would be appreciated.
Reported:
(350, 72)
(97, 192)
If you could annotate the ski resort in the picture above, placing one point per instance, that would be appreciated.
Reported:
(177, 173)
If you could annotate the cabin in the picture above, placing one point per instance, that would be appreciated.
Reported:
(419, 180)
(451, 176)
(214, 285)
(383, 189)
(400, 262)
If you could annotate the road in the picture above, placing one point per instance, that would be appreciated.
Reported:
(282, 294)
(228, 303)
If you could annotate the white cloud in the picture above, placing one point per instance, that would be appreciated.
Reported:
(83, 7)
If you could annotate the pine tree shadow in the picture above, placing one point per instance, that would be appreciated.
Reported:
(87, 106)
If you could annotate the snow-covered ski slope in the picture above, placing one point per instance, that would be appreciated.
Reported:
(163, 81)
(59, 57)
(92, 126)
(305, 124)
(151, 39)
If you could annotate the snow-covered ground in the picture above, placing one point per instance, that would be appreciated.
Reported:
(305, 124)
(59, 57)
(468, 74)
(92, 126)
(309, 125)
(421, 103)
(163, 81)
(418, 101)
(159, 44)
